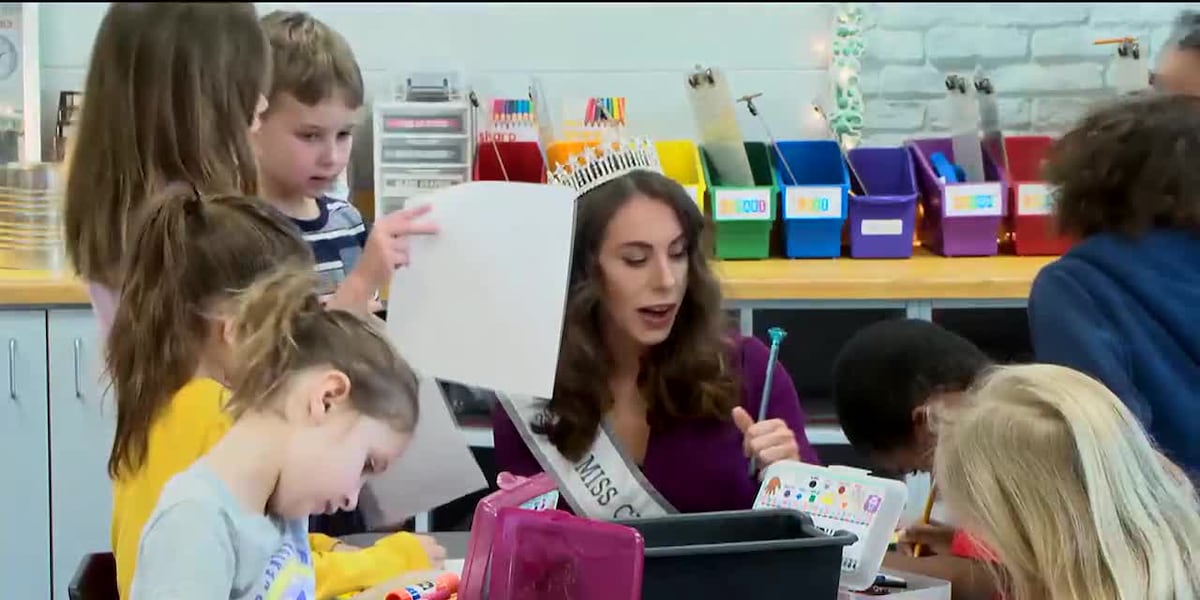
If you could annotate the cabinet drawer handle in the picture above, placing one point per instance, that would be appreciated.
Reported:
(78, 390)
(12, 369)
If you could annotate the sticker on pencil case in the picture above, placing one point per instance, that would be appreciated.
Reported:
(973, 200)
(812, 202)
(546, 501)
(743, 204)
(1034, 199)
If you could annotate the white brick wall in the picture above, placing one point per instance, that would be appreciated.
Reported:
(1039, 57)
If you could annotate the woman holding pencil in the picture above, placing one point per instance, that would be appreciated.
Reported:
(658, 402)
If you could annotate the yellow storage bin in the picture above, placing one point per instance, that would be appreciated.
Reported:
(681, 162)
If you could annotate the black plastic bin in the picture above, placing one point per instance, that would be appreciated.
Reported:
(740, 554)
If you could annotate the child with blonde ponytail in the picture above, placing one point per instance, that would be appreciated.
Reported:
(1049, 470)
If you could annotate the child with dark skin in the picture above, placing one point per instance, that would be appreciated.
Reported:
(890, 380)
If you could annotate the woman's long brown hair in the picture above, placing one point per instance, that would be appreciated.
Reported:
(686, 376)
(170, 95)
(188, 255)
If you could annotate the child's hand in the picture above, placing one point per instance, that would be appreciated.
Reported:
(933, 536)
(767, 442)
(386, 250)
(434, 550)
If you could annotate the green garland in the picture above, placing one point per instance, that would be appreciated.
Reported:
(846, 118)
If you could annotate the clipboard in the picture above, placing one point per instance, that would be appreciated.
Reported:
(989, 122)
(962, 100)
(713, 107)
(1128, 70)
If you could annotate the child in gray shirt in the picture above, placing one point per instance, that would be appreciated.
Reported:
(321, 403)
(247, 556)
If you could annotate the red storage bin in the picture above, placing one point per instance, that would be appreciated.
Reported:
(522, 162)
(1030, 217)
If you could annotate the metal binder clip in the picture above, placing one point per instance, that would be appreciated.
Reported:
(1127, 72)
(956, 82)
(966, 146)
(706, 74)
(474, 99)
(1129, 48)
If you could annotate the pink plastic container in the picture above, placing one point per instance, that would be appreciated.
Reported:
(554, 555)
(538, 492)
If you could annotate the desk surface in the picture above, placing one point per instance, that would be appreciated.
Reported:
(924, 276)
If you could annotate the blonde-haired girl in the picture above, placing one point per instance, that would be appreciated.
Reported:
(1049, 470)
(322, 402)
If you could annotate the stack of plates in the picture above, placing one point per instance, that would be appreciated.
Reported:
(31, 227)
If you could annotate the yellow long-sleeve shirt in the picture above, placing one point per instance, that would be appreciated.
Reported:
(191, 425)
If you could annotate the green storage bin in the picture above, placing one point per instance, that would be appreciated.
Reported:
(743, 216)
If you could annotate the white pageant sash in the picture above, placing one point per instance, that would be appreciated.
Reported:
(604, 485)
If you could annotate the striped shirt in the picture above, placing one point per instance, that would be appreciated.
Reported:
(337, 236)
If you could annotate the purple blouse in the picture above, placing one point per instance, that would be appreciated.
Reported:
(698, 466)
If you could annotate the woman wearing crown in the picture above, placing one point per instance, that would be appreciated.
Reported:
(654, 393)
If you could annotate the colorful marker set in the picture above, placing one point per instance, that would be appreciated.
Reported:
(512, 113)
(601, 111)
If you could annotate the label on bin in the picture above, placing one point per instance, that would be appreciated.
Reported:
(694, 192)
(1034, 199)
(812, 202)
(742, 204)
(882, 226)
(973, 200)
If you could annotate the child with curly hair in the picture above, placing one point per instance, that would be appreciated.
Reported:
(1121, 305)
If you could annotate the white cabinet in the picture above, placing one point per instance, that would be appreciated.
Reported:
(82, 422)
(24, 462)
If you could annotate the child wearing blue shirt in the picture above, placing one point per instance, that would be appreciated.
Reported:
(1123, 304)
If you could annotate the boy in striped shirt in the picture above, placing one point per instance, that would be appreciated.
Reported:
(303, 146)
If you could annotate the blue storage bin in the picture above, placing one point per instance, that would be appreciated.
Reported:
(813, 206)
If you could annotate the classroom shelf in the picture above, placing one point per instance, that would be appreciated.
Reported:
(746, 283)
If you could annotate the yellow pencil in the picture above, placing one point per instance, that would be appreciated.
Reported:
(926, 515)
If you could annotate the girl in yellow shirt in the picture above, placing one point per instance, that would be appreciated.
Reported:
(168, 355)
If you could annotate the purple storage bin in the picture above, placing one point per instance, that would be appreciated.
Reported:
(960, 219)
(881, 223)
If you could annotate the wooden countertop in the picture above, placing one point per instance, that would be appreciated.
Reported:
(922, 277)
(39, 288)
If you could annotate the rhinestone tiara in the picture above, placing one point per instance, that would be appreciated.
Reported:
(599, 164)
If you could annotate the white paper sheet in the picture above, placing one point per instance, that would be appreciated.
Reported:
(436, 468)
(482, 301)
